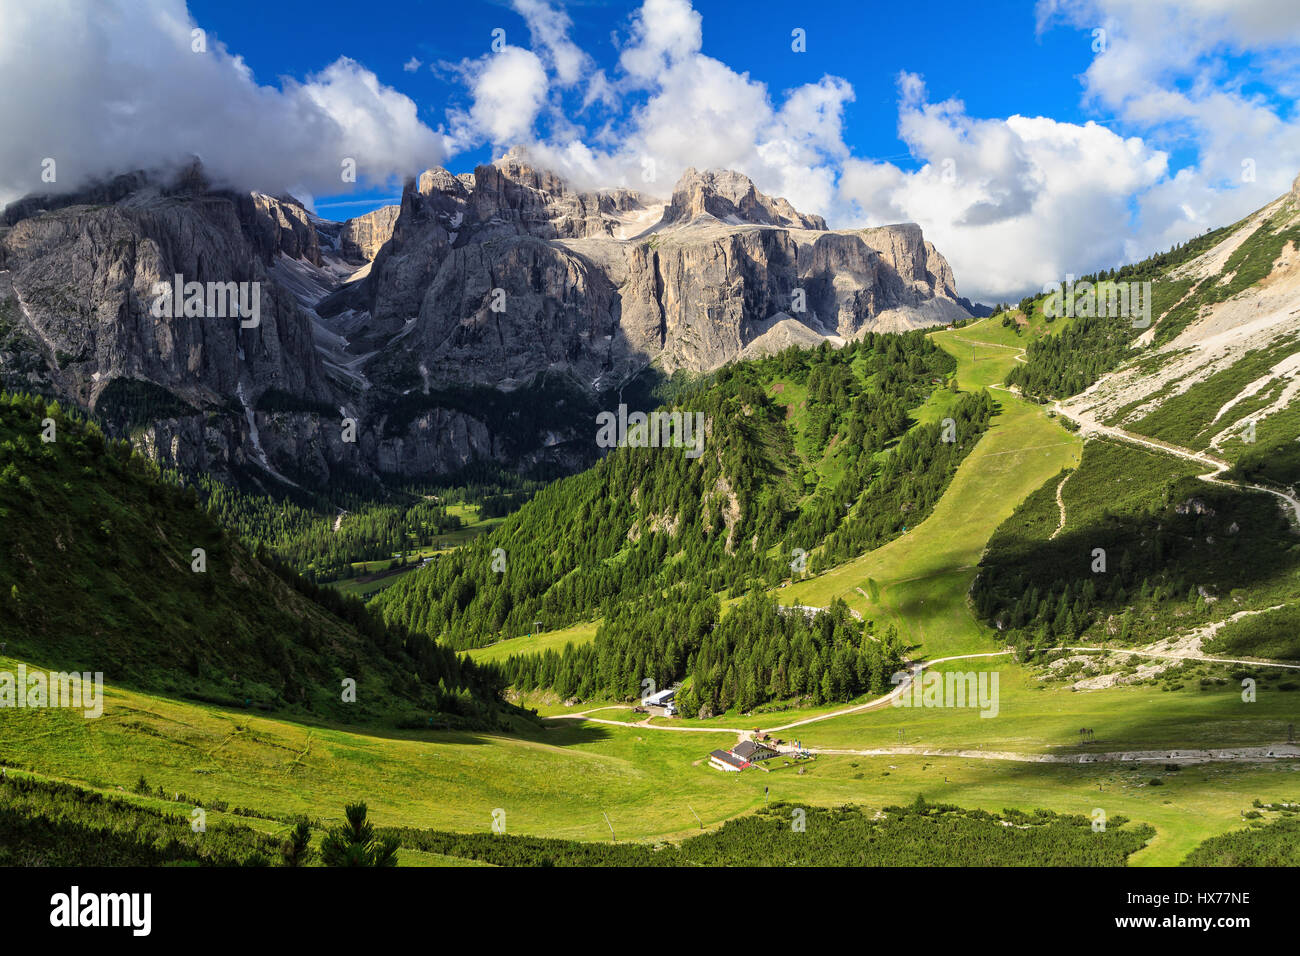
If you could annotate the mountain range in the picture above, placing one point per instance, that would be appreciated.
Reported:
(483, 319)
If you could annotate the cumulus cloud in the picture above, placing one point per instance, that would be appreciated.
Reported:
(672, 108)
(549, 28)
(1163, 68)
(127, 89)
(1012, 203)
(508, 89)
(664, 34)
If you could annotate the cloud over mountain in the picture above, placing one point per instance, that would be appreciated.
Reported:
(1194, 104)
(135, 87)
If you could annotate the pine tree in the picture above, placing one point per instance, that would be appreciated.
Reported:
(353, 842)
(296, 848)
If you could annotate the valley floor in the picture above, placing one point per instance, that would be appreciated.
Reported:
(584, 775)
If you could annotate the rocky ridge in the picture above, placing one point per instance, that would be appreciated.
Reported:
(474, 285)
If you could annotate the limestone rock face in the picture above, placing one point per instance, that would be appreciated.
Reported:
(426, 224)
(280, 225)
(81, 283)
(501, 312)
(512, 196)
(597, 285)
(362, 237)
(732, 198)
(697, 297)
(409, 319)
(84, 279)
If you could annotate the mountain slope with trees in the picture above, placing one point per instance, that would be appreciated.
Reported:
(106, 567)
(809, 456)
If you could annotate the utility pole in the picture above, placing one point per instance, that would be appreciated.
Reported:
(612, 838)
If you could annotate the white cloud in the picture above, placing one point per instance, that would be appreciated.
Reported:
(413, 64)
(125, 90)
(1164, 71)
(549, 28)
(1010, 203)
(508, 89)
(664, 33)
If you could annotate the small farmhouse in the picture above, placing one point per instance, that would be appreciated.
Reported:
(729, 762)
(750, 751)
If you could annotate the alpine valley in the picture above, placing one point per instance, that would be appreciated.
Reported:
(949, 581)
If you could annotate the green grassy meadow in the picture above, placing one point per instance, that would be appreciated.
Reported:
(920, 579)
(656, 784)
(537, 643)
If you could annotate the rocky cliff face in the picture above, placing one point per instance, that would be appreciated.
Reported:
(279, 226)
(522, 276)
(434, 324)
(361, 238)
(732, 198)
(79, 290)
(84, 280)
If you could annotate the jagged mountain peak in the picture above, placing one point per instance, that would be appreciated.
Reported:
(732, 197)
(438, 180)
(487, 280)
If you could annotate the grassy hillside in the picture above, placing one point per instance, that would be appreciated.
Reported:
(919, 581)
(560, 783)
(108, 568)
(811, 450)
(1178, 553)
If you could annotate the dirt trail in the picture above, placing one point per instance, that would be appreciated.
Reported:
(888, 698)
(1088, 426)
(1242, 754)
(1019, 356)
(1060, 503)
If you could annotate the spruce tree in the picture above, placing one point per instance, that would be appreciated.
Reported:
(353, 842)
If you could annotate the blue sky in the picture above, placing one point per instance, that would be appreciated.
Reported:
(1028, 139)
(982, 53)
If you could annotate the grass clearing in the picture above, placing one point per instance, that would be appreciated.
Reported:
(921, 578)
(537, 643)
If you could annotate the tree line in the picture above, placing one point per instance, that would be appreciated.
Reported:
(645, 521)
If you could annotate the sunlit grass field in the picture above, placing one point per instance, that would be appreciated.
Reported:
(655, 784)
(538, 643)
(652, 784)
